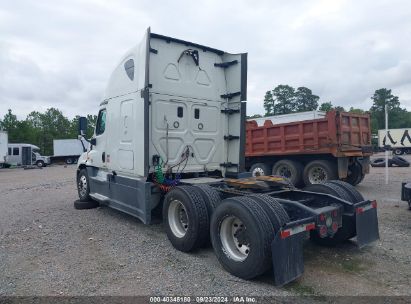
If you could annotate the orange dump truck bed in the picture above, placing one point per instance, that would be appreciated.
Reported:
(339, 138)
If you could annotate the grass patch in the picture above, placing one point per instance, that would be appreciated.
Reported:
(301, 289)
(353, 265)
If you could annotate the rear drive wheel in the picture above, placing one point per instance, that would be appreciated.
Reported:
(319, 171)
(241, 234)
(259, 169)
(186, 218)
(290, 169)
(350, 190)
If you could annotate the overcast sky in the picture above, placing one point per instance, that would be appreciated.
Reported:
(61, 53)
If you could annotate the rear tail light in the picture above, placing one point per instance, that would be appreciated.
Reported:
(322, 217)
(335, 213)
(334, 227)
(374, 204)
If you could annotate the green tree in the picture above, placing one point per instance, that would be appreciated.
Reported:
(397, 116)
(356, 111)
(305, 100)
(326, 106)
(269, 103)
(10, 124)
(284, 97)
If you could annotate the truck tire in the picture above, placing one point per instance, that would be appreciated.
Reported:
(279, 211)
(260, 169)
(400, 161)
(398, 151)
(355, 176)
(40, 163)
(83, 186)
(290, 169)
(351, 191)
(80, 205)
(380, 162)
(186, 218)
(347, 231)
(210, 196)
(319, 171)
(69, 161)
(241, 234)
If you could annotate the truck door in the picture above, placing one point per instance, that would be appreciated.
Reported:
(26, 156)
(98, 153)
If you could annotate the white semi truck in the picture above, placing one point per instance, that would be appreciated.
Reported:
(397, 140)
(170, 135)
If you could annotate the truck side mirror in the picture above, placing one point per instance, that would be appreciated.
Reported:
(82, 126)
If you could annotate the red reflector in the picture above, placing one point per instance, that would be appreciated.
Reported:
(323, 230)
(310, 227)
(322, 217)
(374, 204)
(335, 213)
(334, 227)
(360, 210)
(285, 234)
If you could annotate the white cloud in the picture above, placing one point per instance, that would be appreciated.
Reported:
(61, 53)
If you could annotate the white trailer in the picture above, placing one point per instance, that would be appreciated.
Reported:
(4, 141)
(170, 135)
(68, 150)
(398, 140)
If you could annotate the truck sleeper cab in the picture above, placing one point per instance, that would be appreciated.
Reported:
(170, 135)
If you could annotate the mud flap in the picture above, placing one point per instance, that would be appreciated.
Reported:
(287, 255)
(366, 225)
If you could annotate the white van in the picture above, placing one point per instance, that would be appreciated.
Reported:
(26, 155)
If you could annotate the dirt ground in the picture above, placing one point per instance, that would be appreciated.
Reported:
(49, 248)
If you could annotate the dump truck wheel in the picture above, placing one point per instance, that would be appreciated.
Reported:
(259, 169)
(80, 205)
(350, 190)
(347, 230)
(290, 169)
(319, 171)
(186, 218)
(83, 186)
(241, 234)
(355, 176)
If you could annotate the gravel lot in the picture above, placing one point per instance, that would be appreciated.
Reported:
(49, 248)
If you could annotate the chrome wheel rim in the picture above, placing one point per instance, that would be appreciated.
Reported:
(258, 172)
(233, 238)
(82, 185)
(317, 175)
(178, 219)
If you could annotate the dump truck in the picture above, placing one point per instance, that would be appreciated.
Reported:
(310, 147)
(170, 138)
(396, 140)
